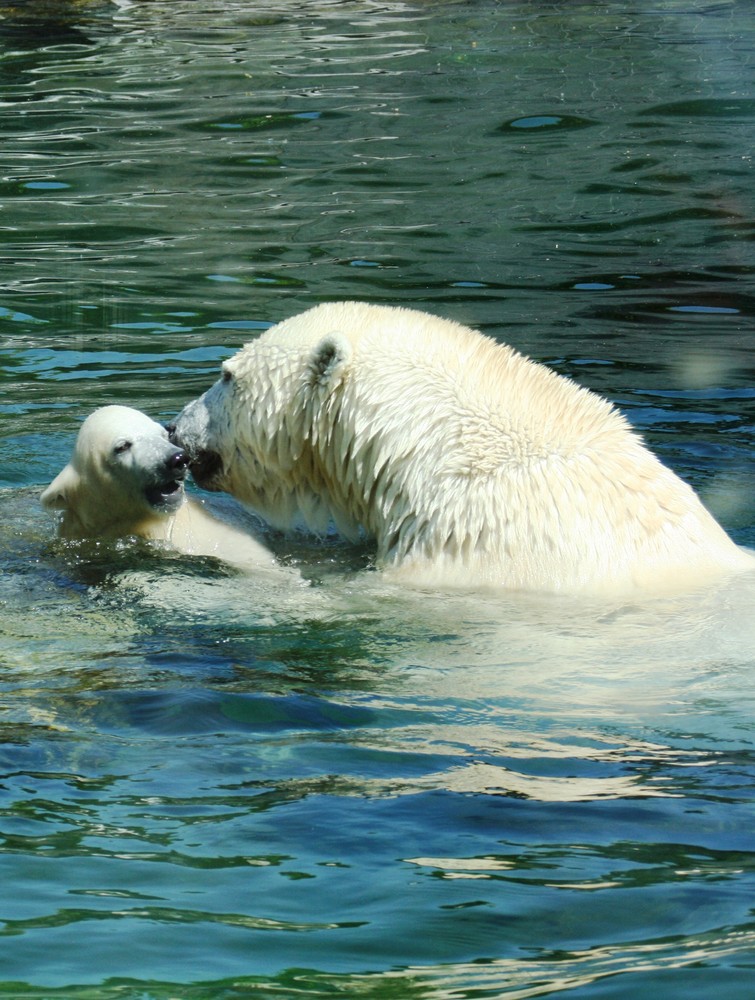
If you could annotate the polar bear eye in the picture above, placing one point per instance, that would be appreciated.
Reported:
(122, 446)
(227, 375)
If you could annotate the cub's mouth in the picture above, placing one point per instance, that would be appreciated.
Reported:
(167, 492)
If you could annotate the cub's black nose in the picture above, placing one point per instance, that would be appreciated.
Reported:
(178, 460)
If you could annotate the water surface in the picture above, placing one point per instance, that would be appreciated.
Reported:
(214, 788)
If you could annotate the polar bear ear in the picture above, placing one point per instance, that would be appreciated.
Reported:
(329, 359)
(59, 494)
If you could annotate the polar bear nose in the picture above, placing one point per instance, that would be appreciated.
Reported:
(178, 460)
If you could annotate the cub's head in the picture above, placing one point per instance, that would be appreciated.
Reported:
(124, 472)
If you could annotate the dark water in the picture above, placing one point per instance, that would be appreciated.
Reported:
(211, 788)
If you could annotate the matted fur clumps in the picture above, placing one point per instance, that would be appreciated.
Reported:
(469, 464)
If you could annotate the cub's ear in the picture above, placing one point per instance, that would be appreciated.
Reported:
(329, 359)
(59, 494)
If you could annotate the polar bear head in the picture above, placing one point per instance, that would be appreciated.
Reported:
(252, 434)
(124, 475)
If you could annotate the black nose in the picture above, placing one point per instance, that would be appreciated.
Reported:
(178, 460)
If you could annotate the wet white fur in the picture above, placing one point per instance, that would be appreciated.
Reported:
(119, 452)
(469, 464)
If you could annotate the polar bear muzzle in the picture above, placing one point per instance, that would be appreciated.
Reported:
(204, 464)
(167, 490)
(205, 467)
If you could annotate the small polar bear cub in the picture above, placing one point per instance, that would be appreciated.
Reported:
(467, 463)
(126, 478)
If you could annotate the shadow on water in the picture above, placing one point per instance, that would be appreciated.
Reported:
(37, 24)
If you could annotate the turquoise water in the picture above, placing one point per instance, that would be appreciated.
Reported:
(214, 788)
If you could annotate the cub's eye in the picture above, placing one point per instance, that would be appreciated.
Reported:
(227, 375)
(122, 446)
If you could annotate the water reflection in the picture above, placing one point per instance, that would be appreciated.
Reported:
(342, 787)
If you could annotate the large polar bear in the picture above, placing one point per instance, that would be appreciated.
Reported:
(467, 463)
(126, 478)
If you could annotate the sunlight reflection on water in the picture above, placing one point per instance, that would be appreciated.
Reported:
(343, 788)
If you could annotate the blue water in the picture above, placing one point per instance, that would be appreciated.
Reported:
(211, 787)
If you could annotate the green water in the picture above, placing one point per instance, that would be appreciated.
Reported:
(211, 788)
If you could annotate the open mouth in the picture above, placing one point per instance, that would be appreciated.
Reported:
(167, 494)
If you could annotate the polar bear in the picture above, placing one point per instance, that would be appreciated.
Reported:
(126, 478)
(467, 463)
